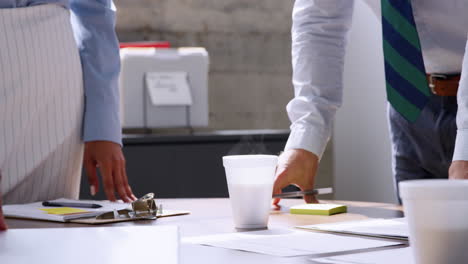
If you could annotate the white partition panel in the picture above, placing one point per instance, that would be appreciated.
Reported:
(361, 145)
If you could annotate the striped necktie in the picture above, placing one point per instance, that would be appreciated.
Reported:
(405, 75)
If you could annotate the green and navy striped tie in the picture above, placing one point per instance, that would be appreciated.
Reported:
(407, 86)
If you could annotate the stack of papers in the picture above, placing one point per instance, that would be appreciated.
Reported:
(57, 214)
(288, 243)
(68, 213)
(383, 228)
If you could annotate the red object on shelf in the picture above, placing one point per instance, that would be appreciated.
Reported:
(152, 44)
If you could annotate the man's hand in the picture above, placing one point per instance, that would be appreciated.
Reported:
(3, 225)
(298, 167)
(458, 170)
(108, 157)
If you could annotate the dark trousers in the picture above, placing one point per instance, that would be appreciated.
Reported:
(424, 149)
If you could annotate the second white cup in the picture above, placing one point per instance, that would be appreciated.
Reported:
(250, 183)
(437, 214)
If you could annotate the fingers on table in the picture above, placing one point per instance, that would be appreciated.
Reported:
(108, 179)
(128, 189)
(90, 167)
(308, 198)
(282, 181)
(284, 178)
(276, 203)
(115, 180)
(3, 225)
(121, 182)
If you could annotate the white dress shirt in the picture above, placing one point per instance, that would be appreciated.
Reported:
(319, 34)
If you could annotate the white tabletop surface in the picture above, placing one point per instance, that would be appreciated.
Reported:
(213, 216)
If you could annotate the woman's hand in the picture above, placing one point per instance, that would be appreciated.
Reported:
(108, 157)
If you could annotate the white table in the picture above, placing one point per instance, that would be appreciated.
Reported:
(213, 216)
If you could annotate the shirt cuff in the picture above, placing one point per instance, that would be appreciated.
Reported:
(308, 139)
(461, 145)
(102, 121)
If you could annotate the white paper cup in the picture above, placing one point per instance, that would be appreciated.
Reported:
(437, 213)
(250, 183)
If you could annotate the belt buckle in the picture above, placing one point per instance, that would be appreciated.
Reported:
(432, 78)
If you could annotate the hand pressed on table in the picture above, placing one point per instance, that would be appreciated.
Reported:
(298, 167)
(108, 157)
(3, 225)
(458, 170)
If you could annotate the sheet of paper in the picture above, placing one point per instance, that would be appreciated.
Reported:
(393, 228)
(288, 243)
(102, 245)
(388, 256)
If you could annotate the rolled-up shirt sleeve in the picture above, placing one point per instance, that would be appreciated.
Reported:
(93, 25)
(319, 33)
(461, 142)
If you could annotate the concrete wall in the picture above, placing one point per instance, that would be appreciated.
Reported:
(249, 45)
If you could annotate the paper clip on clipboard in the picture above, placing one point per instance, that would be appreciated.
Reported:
(143, 208)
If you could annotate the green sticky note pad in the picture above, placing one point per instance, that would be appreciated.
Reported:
(318, 209)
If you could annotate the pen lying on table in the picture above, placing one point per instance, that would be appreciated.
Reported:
(71, 204)
(302, 193)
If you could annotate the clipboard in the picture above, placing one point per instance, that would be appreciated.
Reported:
(94, 221)
(36, 211)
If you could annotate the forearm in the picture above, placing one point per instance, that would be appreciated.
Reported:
(93, 22)
(319, 35)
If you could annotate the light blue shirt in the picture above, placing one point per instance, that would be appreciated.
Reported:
(93, 24)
